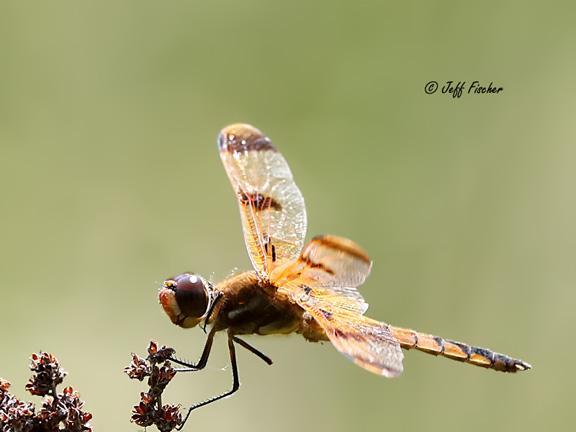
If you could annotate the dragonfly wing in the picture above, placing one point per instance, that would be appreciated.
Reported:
(271, 205)
(367, 342)
(330, 265)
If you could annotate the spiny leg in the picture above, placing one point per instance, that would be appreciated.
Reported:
(253, 350)
(201, 364)
(235, 382)
(206, 352)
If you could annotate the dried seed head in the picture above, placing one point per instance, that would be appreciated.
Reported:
(158, 355)
(4, 385)
(47, 374)
(144, 413)
(59, 412)
(160, 377)
(138, 368)
(169, 417)
(16, 415)
(50, 415)
(160, 372)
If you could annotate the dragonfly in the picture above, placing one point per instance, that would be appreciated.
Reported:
(307, 289)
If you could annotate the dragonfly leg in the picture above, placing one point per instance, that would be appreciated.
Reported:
(253, 350)
(201, 364)
(235, 382)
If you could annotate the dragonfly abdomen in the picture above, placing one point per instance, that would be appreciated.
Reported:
(454, 350)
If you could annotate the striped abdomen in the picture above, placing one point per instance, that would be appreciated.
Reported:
(458, 351)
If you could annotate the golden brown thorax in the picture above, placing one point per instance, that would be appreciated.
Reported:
(249, 306)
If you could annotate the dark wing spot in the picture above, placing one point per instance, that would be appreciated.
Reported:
(258, 201)
(340, 334)
(269, 248)
(343, 245)
(306, 259)
(326, 314)
(240, 138)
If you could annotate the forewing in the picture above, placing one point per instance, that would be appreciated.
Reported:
(332, 264)
(271, 205)
(365, 341)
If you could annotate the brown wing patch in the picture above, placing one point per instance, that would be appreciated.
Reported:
(316, 265)
(271, 205)
(365, 341)
(241, 138)
(258, 201)
(332, 265)
(336, 245)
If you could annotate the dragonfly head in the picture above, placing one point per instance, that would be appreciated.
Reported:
(186, 299)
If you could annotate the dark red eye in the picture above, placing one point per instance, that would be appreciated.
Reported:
(191, 295)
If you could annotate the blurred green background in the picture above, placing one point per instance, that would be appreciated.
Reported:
(110, 182)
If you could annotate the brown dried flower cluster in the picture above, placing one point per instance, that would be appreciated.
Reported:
(47, 374)
(60, 412)
(159, 371)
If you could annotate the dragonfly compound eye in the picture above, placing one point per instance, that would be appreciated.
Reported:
(191, 295)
